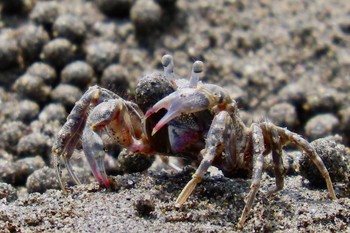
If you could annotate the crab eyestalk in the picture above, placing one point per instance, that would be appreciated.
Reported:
(168, 64)
(197, 70)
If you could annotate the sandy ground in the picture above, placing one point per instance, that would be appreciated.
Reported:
(285, 61)
(145, 202)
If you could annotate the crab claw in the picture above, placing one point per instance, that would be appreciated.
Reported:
(93, 149)
(183, 101)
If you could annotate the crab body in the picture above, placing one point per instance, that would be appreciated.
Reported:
(178, 117)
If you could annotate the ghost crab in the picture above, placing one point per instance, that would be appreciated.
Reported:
(182, 117)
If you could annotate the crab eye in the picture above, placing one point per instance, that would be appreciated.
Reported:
(168, 64)
(197, 70)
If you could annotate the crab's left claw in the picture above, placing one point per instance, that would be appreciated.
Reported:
(106, 114)
(183, 101)
(93, 149)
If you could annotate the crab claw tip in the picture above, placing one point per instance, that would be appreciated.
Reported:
(156, 129)
(106, 183)
(171, 114)
(158, 126)
(148, 113)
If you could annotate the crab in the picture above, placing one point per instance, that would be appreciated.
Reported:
(178, 117)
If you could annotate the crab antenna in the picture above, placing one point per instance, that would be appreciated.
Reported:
(168, 64)
(197, 70)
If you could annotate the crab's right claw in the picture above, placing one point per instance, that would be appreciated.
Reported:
(183, 101)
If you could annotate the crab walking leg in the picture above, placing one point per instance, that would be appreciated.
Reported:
(70, 134)
(171, 165)
(258, 166)
(66, 159)
(57, 168)
(66, 142)
(70, 170)
(214, 147)
(302, 144)
(277, 160)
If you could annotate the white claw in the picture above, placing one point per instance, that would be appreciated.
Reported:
(197, 70)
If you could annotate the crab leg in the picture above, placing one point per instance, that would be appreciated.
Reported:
(217, 134)
(302, 144)
(277, 161)
(258, 165)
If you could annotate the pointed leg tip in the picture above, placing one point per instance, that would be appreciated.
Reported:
(64, 191)
(179, 202)
(177, 205)
(333, 196)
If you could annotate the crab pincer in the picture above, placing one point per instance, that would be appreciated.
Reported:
(183, 101)
(186, 100)
(92, 141)
(110, 116)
